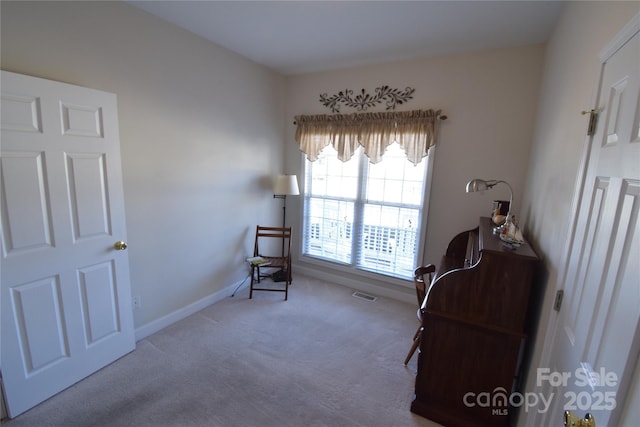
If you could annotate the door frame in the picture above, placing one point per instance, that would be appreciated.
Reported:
(622, 37)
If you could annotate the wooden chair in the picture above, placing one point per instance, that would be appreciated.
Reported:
(421, 291)
(267, 246)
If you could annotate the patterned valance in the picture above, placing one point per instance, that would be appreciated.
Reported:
(415, 131)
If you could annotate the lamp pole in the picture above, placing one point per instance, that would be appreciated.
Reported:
(284, 207)
(285, 185)
(284, 213)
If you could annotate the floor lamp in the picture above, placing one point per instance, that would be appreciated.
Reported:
(285, 185)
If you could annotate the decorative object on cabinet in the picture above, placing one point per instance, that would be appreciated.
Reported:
(510, 233)
(476, 318)
(421, 290)
(502, 206)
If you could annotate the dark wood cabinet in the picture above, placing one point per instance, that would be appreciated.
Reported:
(476, 319)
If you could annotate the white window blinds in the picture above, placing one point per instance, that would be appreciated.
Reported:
(362, 215)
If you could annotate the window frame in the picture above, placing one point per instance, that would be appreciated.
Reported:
(336, 266)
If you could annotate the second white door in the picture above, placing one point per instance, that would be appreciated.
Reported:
(596, 341)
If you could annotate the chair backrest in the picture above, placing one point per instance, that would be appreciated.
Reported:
(282, 233)
(422, 277)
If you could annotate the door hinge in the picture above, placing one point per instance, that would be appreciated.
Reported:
(593, 121)
(558, 301)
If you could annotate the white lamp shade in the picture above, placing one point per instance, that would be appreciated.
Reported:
(286, 185)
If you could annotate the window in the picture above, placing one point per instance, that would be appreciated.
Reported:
(362, 215)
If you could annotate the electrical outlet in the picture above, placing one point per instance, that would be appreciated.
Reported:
(137, 302)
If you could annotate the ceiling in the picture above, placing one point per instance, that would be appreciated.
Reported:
(299, 37)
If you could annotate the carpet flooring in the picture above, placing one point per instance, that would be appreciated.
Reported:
(323, 358)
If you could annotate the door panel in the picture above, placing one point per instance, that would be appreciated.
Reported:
(66, 299)
(43, 338)
(86, 177)
(21, 113)
(25, 189)
(99, 305)
(81, 120)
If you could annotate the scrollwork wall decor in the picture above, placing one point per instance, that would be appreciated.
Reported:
(364, 100)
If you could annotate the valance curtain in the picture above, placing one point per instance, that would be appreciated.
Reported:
(415, 131)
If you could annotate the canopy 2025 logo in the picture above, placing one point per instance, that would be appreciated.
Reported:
(592, 397)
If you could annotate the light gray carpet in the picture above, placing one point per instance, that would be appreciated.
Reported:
(323, 358)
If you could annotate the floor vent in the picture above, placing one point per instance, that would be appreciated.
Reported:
(364, 296)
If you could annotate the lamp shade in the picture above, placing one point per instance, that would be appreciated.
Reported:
(286, 185)
(477, 185)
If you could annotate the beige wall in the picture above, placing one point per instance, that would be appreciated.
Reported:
(569, 86)
(490, 98)
(201, 137)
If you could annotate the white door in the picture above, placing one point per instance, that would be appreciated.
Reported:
(66, 298)
(596, 341)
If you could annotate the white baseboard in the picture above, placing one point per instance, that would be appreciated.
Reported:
(161, 323)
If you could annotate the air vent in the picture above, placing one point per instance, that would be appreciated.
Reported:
(364, 296)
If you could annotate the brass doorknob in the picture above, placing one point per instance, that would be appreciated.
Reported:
(120, 246)
(572, 420)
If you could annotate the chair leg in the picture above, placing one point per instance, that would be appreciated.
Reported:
(251, 287)
(414, 346)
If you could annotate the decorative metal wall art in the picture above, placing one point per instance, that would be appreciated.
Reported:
(363, 100)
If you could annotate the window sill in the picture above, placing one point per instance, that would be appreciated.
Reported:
(373, 283)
